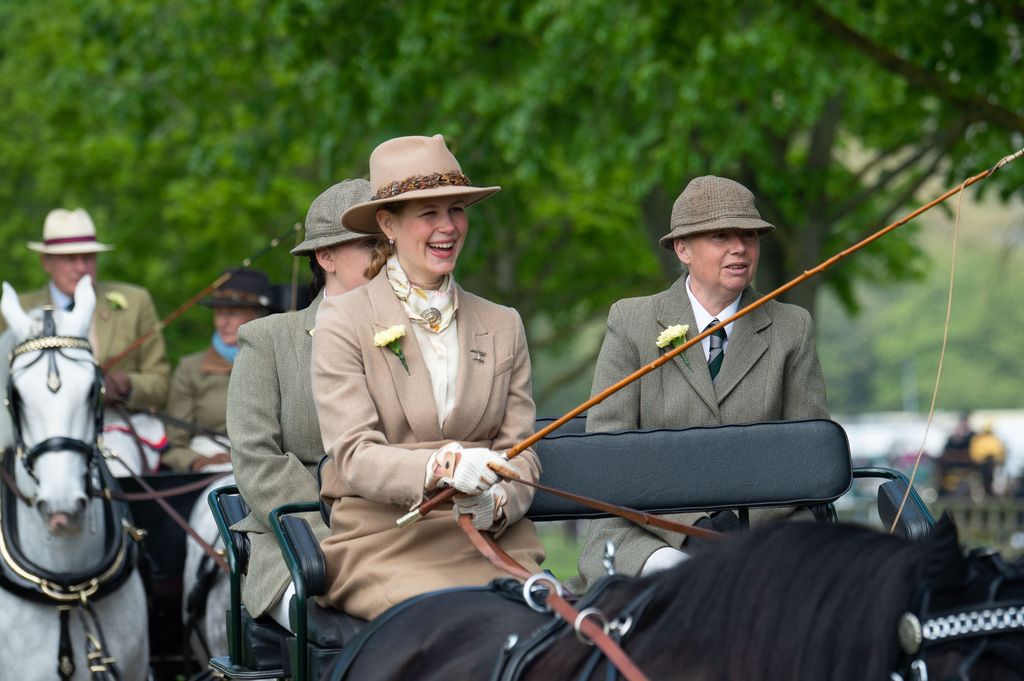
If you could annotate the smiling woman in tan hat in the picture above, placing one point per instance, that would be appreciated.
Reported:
(272, 423)
(124, 312)
(764, 367)
(418, 385)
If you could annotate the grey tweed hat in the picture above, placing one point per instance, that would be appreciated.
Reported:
(711, 203)
(323, 221)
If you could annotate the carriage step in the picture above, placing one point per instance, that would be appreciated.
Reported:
(222, 668)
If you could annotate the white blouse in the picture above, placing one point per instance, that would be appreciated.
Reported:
(441, 355)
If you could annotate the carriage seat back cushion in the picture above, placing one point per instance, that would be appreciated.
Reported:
(326, 627)
(784, 463)
(261, 642)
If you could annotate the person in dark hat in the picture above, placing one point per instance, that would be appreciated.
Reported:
(762, 367)
(199, 386)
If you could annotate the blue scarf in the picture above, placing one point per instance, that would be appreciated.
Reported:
(228, 352)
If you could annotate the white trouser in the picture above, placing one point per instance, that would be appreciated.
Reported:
(279, 611)
(663, 559)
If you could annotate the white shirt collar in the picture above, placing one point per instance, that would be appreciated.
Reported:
(61, 300)
(703, 317)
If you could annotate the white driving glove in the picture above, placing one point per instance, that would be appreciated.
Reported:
(487, 508)
(464, 469)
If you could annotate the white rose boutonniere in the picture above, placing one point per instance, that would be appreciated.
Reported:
(117, 300)
(391, 338)
(676, 335)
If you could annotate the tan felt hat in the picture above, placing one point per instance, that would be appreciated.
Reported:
(408, 168)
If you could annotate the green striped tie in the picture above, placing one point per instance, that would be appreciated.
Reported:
(717, 352)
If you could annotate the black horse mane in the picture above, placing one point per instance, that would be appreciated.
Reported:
(787, 601)
(784, 601)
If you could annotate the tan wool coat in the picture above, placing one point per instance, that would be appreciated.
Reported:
(199, 395)
(116, 328)
(275, 441)
(770, 372)
(379, 425)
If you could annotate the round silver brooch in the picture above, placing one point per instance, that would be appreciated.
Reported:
(908, 629)
(432, 316)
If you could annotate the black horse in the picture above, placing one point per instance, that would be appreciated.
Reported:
(788, 601)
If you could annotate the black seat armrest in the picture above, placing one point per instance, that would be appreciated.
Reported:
(235, 510)
(306, 548)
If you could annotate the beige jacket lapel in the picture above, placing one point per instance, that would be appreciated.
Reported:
(413, 386)
(676, 309)
(476, 370)
(746, 345)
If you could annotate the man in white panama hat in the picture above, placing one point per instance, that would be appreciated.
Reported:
(123, 312)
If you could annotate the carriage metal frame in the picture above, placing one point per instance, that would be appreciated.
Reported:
(738, 467)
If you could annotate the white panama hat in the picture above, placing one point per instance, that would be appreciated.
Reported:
(68, 232)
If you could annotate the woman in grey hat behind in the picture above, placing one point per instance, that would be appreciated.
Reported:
(765, 368)
(272, 423)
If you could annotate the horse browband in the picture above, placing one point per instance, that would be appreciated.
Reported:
(51, 343)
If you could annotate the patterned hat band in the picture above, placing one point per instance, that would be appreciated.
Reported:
(452, 178)
(242, 297)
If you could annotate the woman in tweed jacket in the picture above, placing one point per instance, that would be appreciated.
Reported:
(764, 369)
(272, 423)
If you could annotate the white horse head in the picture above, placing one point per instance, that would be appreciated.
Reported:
(52, 390)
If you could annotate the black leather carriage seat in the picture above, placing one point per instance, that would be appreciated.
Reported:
(792, 463)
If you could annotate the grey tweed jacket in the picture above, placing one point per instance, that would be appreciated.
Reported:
(275, 440)
(770, 373)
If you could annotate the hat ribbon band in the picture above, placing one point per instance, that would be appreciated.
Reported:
(69, 240)
(452, 178)
(240, 296)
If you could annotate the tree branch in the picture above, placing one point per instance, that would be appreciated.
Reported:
(937, 140)
(915, 75)
(907, 194)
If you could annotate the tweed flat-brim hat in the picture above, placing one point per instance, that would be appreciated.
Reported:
(323, 220)
(68, 232)
(709, 204)
(409, 168)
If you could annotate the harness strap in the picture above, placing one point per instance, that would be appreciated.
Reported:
(139, 442)
(583, 624)
(101, 665)
(166, 493)
(178, 520)
(639, 517)
(158, 445)
(11, 483)
(65, 652)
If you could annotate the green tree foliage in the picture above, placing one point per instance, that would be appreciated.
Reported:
(194, 131)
